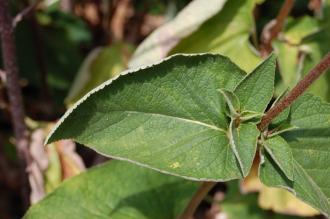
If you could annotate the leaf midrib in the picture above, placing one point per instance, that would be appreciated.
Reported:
(170, 116)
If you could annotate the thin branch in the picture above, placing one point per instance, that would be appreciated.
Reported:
(196, 199)
(2, 76)
(299, 89)
(12, 85)
(272, 29)
(24, 13)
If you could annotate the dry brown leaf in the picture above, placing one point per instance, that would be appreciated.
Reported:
(251, 182)
(282, 201)
(38, 165)
(42, 169)
(71, 162)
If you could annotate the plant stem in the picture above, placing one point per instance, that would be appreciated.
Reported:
(299, 89)
(25, 12)
(196, 199)
(272, 29)
(12, 86)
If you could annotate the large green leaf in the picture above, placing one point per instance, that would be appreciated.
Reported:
(169, 117)
(226, 33)
(310, 148)
(116, 190)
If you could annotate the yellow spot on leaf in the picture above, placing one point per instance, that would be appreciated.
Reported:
(175, 165)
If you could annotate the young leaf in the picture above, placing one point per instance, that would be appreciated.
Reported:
(232, 102)
(116, 190)
(284, 202)
(256, 90)
(243, 141)
(169, 117)
(310, 148)
(281, 153)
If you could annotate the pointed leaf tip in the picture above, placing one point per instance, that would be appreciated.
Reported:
(256, 90)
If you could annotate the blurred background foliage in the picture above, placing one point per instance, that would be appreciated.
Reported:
(65, 48)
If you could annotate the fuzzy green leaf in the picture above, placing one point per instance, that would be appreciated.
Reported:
(309, 143)
(232, 102)
(116, 190)
(281, 153)
(169, 117)
(256, 90)
(243, 140)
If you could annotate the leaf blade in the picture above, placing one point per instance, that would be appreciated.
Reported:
(256, 90)
(243, 141)
(138, 113)
(126, 191)
(281, 153)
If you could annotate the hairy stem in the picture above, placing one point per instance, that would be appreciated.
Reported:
(299, 89)
(12, 86)
(272, 29)
(196, 199)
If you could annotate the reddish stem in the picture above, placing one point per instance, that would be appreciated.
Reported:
(299, 89)
(272, 30)
(197, 199)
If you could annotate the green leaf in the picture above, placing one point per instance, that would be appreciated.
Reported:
(169, 117)
(288, 63)
(226, 33)
(281, 153)
(310, 148)
(116, 190)
(243, 141)
(284, 117)
(256, 90)
(99, 66)
(249, 115)
(285, 127)
(157, 46)
(232, 102)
